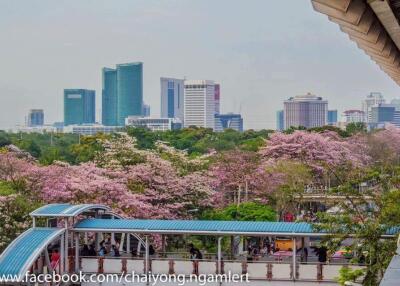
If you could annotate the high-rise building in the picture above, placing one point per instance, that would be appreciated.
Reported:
(332, 117)
(373, 99)
(230, 120)
(217, 98)
(35, 117)
(146, 110)
(280, 122)
(109, 97)
(382, 114)
(79, 106)
(172, 98)
(305, 110)
(199, 103)
(122, 93)
(353, 116)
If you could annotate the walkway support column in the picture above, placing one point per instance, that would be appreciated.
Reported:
(294, 259)
(219, 266)
(66, 245)
(62, 253)
(147, 257)
(128, 243)
(77, 252)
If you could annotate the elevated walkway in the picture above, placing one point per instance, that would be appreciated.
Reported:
(19, 256)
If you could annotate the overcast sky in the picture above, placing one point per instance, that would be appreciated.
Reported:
(261, 51)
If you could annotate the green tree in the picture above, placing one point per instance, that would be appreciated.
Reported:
(366, 224)
(356, 127)
(249, 211)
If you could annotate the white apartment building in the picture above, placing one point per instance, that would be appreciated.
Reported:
(353, 116)
(199, 103)
(305, 110)
(154, 124)
(90, 129)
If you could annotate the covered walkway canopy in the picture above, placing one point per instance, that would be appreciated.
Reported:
(23, 251)
(203, 227)
(66, 210)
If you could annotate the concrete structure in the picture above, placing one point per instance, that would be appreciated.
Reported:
(35, 117)
(217, 98)
(373, 25)
(230, 120)
(146, 110)
(91, 129)
(122, 93)
(154, 124)
(280, 120)
(353, 116)
(373, 99)
(79, 106)
(199, 103)
(37, 129)
(332, 117)
(305, 110)
(172, 98)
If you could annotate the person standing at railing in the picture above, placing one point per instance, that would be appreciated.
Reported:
(55, 258)
(195, 256)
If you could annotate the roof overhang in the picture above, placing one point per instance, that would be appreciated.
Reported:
(372, 24)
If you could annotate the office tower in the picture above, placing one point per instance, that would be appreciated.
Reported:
(146, 110)
(280, 124)
(230, 120)
(122, 93)
(35, 117)
(332, 117)
(199, 103)
(373, 99)
(217, 98)
(305, 110)
(172, 98)
(109, 97)
(353, 116)
(382, 114)
(79, 106)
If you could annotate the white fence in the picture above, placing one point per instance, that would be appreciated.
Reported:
(257, 270)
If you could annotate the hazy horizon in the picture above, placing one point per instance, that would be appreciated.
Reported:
(261, 52)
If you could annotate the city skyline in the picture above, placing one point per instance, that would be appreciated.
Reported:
(257, 65)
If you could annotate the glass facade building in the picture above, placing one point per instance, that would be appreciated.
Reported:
(79, 106)
(332, 117)
(35, 117)
(109, 97)
(122, 93)
(228, 121)
(172, 99)
(130, 91)
(280, 124)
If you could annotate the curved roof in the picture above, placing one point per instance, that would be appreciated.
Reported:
(196, 227)
(65, 210)
(23, 251)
